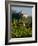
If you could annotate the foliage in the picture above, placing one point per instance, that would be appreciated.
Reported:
(21, 26)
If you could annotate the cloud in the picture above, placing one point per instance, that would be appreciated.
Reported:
(27, 10)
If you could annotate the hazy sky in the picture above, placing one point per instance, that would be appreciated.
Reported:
(27, 10)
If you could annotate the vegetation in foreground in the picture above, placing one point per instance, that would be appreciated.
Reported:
(21, 26)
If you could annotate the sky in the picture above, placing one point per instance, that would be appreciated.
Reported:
(27, 10)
